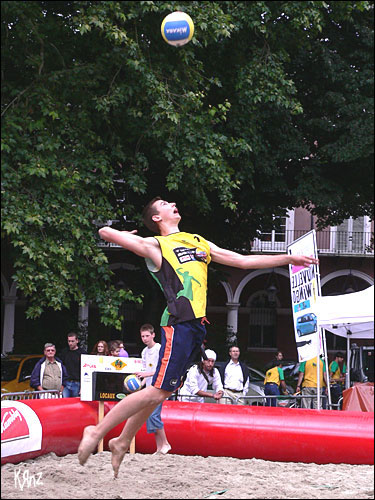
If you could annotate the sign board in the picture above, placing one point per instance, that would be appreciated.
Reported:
(305, 288)
(102, 377)
(21, 430)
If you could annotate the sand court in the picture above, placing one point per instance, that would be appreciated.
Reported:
(144, 476)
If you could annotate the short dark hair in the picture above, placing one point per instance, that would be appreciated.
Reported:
(72, 334)
(147, 327)
(113, 345)
(339, 355)
(148, 213)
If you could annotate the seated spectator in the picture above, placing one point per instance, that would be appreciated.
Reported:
(113, 348)
(49, 373)
(100, 348)
(198, 379)
(274, 380)
(122, 352)
(337, 373)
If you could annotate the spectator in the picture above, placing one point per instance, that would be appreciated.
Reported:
(198, 379)
(279, 356)
(100, 348)
(113, 348)
(274, 380)
(150, 358)
(235, 378)
(71, 358)
(49, 373)
(337, 377)
(122, 353)
(307, 379)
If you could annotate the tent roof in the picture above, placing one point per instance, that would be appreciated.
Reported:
(349, 315)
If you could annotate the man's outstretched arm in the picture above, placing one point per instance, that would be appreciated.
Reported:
(144, 247)
(234, 259)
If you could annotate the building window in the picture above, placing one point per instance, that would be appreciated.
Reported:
(262, 321)
(352, 236)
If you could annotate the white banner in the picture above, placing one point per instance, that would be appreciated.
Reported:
(91, 364)
(305, 288)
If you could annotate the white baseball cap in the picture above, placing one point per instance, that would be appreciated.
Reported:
(210, 354)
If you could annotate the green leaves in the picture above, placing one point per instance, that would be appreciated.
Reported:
(269, 106)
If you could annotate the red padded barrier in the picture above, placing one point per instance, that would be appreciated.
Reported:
(276, 434)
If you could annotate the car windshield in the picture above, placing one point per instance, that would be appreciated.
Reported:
(255, 375)
(9, 369)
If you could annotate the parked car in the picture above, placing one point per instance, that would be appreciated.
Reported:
(307, 324)
(16, 372)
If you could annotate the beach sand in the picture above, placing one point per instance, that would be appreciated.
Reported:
(178, 476)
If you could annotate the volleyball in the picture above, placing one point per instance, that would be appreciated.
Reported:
(132, 383)
(177, 28)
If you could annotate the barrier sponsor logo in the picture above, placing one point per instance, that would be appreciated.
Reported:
(13, 425)
(21, 430)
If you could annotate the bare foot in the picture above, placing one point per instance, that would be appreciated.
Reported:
(88, 444)
(118, 452)
(164, 449)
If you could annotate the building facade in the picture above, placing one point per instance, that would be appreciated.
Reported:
(251, 307)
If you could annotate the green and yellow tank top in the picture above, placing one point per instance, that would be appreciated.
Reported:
(310, 377)
(334, 368)
(183, 276)
(274, 375)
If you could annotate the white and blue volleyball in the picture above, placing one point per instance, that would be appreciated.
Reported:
(132, 383)
(177, 28)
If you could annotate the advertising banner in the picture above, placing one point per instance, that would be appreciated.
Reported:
(21, 430)
(102, 377)
(305, 288)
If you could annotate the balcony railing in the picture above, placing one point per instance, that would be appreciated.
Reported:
(329, 242)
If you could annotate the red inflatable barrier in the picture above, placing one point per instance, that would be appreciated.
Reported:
(276, 434)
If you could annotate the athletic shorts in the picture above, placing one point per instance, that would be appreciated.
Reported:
(179, 344)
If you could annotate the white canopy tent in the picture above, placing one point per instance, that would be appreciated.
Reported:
(350, 315)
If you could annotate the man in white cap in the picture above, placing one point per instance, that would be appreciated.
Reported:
(198, 379)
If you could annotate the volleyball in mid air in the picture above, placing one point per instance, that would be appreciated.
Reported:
(132, 383)
(177, 28)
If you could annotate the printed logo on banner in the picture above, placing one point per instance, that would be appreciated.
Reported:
(21, 430)
(118, 364)
(13, 425)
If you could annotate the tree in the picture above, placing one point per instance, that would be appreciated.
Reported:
(100, 114)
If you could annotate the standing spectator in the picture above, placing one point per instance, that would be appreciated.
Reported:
(198, 379)
(337, 371)
(122, 353)
(100, 348)
(273, 381)
(71, 357)
(150, 358)
(307, 379)
(49, 373)
(235, 377)
(113, 348)
(279, 356)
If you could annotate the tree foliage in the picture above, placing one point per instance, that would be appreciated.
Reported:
(269, 107)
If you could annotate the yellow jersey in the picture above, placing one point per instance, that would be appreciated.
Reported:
(183, 276)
